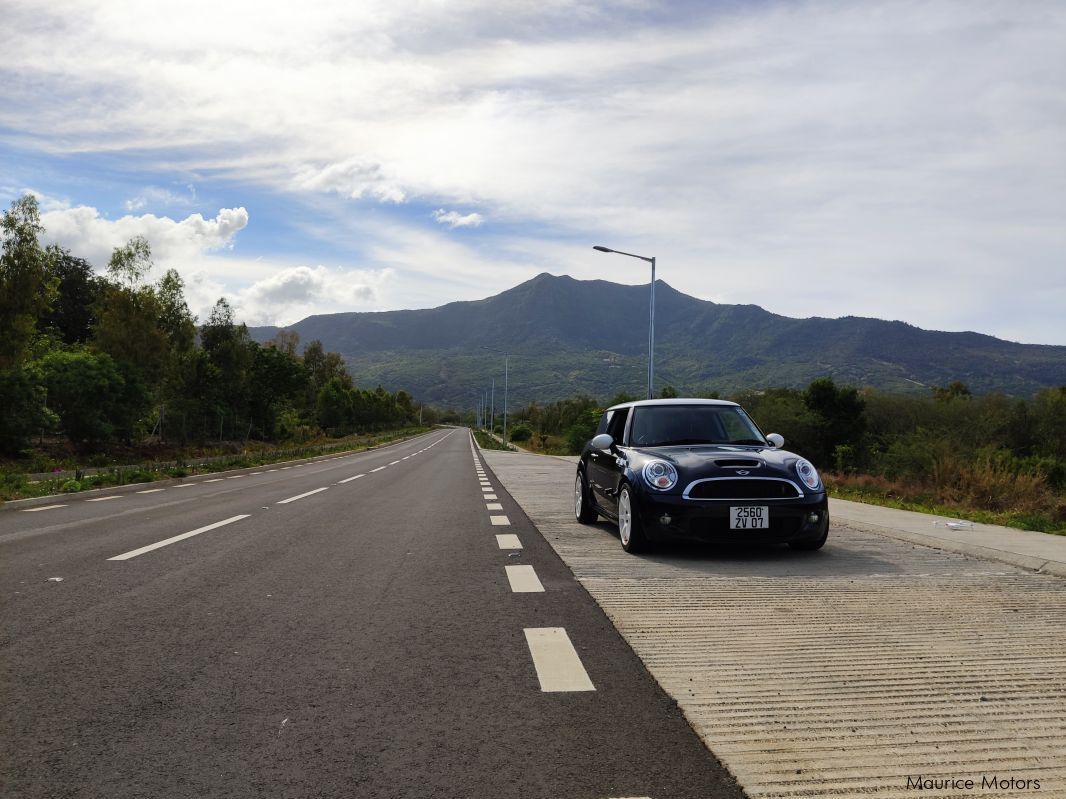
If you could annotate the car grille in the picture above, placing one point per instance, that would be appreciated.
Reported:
(742, 488)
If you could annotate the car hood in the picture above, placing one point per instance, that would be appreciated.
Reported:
(706, 456)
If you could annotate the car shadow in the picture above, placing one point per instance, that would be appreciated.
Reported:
(847, 553)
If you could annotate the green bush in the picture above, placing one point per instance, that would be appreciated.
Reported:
(71, 487)
(520, 432)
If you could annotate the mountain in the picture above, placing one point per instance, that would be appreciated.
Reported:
(566, 336)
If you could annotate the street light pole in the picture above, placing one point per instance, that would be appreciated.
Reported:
(506, 363)
(651, 314)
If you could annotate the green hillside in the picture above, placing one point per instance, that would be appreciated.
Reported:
(567, 336)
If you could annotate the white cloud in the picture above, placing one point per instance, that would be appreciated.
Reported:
(826, 157)
(455, 219)
(85, 232)
(291, 294)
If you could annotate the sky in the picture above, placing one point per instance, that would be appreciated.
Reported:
(887, 158)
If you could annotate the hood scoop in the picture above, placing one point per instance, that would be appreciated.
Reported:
(737, 463)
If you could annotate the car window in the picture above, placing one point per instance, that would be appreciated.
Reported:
(666, 425)
(602, 428)
(617, 425)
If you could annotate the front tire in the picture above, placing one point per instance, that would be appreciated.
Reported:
(630, 530)
(583, 509)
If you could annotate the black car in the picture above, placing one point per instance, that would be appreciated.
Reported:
(698, 470)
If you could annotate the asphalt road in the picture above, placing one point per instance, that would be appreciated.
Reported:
(304, 632)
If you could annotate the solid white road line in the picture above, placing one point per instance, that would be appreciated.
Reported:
(499, 521)
(349, 479)
(508, 541)
(301, 496)
(134, 553)
(151, 491)
(523, 580)
(44, 507)
(104, 499)
(558, 666)
(493, 506)
(378, 469)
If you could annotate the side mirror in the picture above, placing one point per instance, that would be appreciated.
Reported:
(776, 440)
(602, 441)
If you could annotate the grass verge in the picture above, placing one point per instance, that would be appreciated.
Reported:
(890, 496)
(17, 485)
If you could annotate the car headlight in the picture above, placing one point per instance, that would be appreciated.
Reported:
(808, 475)
(660, 475)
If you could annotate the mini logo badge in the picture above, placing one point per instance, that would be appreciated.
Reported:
(743, 471)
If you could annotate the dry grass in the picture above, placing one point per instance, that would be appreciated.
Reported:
(982, 490)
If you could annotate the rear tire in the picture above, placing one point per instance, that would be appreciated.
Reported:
(583, 509)
(630, 530)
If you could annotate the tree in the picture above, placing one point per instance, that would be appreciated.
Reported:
(129, 328)
(131, 263)
(22, 398)
(86, 391)
(229, 351)
(71, 316)
(286, 341)
(333, 406)
(841, 420)
(277, 381)
(27, 285)
(955, 390)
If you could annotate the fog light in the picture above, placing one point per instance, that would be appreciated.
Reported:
(812, 517)
(665, 519)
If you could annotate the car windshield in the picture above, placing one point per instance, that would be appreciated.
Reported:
(675, 425)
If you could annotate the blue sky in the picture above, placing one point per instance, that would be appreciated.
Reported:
(903, 160)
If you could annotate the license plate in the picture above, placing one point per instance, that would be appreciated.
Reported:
(749, 517)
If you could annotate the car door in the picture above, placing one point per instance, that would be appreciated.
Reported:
(604, 470)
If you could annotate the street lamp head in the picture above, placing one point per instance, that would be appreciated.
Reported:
(602, 249)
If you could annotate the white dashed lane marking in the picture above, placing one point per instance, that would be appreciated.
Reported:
(134, 553)
(393, 463)
(104, 499)
(349, 479)
(43, 507)
(523, 580)
(378, 469)
(151, 491)
(301, 496)
(489, 496)
(493, 506)
(508, 541)
(499, 521)
(214, 480)
(557, 663)
(185, 485)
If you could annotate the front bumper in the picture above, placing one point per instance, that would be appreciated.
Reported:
(671, 517)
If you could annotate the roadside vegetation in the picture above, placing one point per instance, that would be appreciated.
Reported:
(98, 372)
(991, 458)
